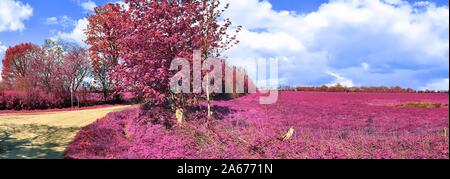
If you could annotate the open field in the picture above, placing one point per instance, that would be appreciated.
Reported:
(44, 134)
(325, 125)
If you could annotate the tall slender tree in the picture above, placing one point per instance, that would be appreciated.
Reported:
(103, 33)
(76, 68)
(215, 38)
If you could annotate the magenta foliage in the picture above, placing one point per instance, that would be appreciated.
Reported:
(107, 134)
(126, 135)
(34, 99)
(38, 99)
(327, 125)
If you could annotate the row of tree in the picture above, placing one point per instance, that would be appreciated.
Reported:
(131, 47)
(57, 68)
(368, 89)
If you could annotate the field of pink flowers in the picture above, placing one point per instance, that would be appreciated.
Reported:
(327, 125)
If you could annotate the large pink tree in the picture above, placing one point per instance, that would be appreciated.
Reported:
(158, 32)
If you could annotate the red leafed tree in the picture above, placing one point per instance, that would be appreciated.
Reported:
(159, 31)
(75, 69)
(17, 65)
(103, 33)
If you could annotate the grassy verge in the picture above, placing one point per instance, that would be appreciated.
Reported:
(421, 105)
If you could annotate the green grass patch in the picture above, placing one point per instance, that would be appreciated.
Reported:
(421, 105)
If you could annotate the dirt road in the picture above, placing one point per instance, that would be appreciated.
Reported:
(44, 134)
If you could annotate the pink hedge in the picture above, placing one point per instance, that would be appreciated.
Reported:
(37, 99)
(15, 100)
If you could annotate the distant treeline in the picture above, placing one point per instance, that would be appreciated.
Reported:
(367, 89)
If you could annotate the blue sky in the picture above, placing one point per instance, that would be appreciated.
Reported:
(372, 42)
(307, 6)
(36, 28)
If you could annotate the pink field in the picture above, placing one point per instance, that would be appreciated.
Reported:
(327, 125)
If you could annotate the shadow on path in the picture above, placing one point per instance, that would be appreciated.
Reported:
(34, 141)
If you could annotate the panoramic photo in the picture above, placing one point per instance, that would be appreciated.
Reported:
(224, 79)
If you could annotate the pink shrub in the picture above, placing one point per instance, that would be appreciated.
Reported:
(10, 100)
(34, 99)
(89, 99)
(104, 139)
(37, 99)
(127, 96)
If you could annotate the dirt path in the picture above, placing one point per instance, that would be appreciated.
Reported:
(44, 134)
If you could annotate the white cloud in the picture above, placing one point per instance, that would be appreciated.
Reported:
(12, 15)
(51, 20)
(340, 80)
(2, 51)
(399, 40)
(88, 5)
(439, 84)
(64, 21)
(123, 4)
(365, 66)
(271, 41)
(77, 34)
(2, 48)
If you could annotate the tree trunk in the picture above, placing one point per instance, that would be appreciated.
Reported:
(208, 96)
(71, 98)
(105, 95)
(179, 115)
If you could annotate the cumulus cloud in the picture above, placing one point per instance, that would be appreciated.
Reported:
(12, 15)
(371, 42)
(64, 21)
(340, 80)
(439, 84)
(77, 34)
(88, 5)
(2, 51)
(2, 48)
